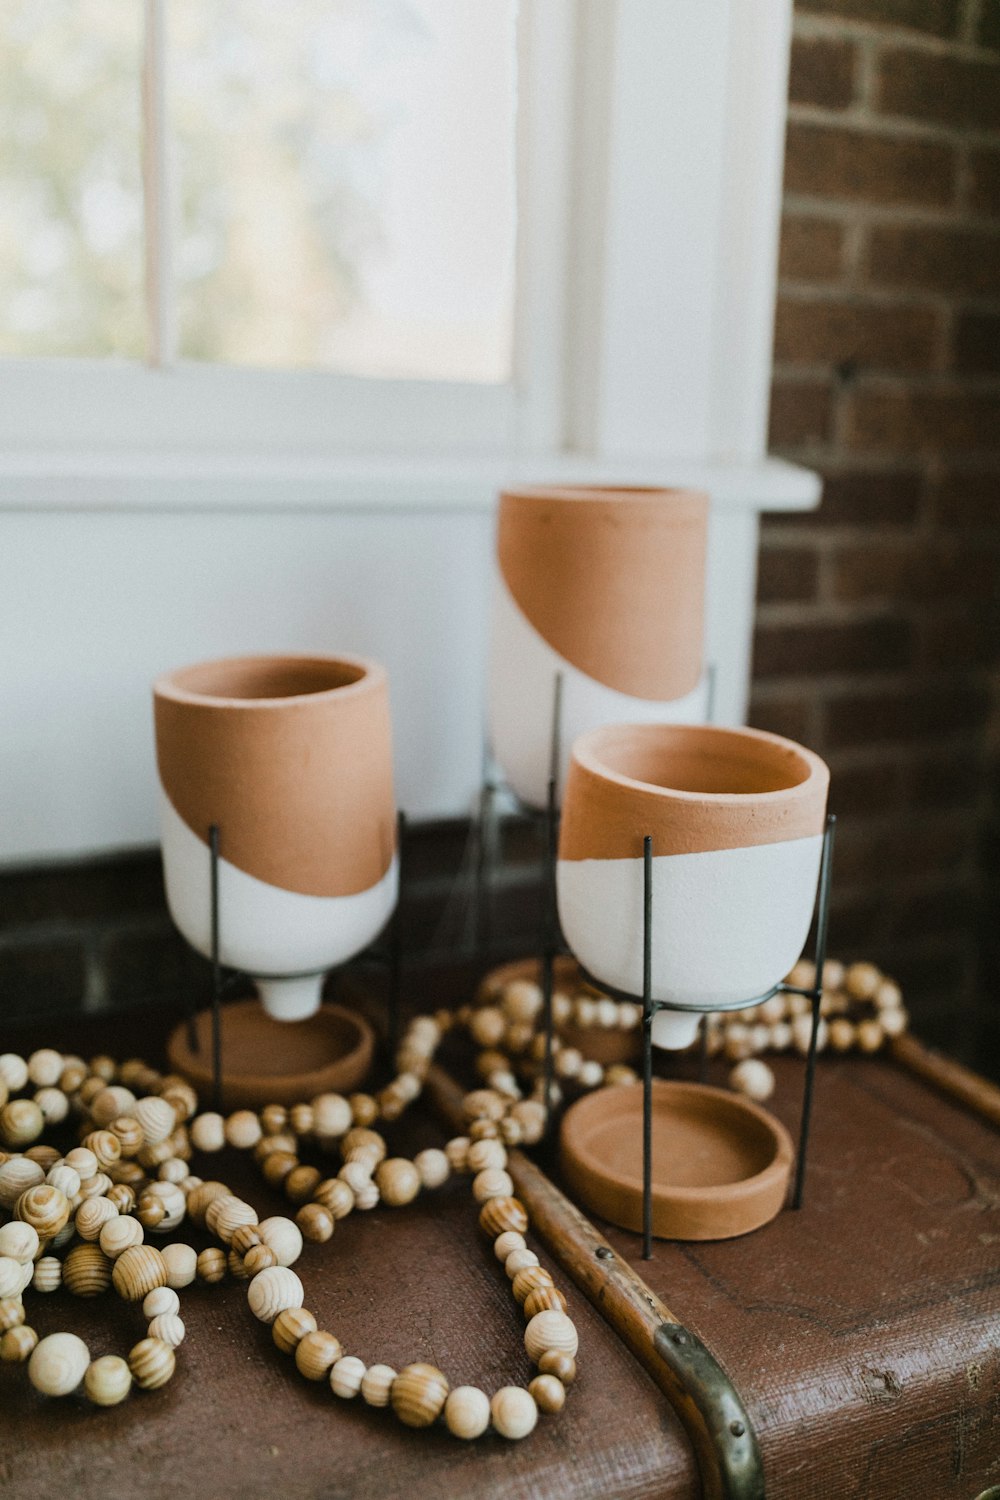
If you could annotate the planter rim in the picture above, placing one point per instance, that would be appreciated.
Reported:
(587, 753)
(687, 503)
(172, 685)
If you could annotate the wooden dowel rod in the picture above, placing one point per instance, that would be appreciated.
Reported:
(976, 1093)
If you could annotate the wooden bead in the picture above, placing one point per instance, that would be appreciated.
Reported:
(258, 1258)
(528, 1280)
(562, 1366)
(211, 1266)
(11, 1313)
(137, 1271)
(47, 1275)
(485, 1154)
(418, 1395)
(519, 1260)
(543, 1299)
(290, 1326)
(112, 1101)
(13, 1071)
(97, 1186)
(152, 1362)
(491, 1183)
(335, 1195)
(753, 1078)
(157, 1118)
(505, 1244)
(12, 1277)
(200, 1197)
(87, 1271)
(208, 1132)
(514, 1412)
(168, 1327)
(367, 1198)
(550, 1330)
(91, 1217)
(356, 1175)
(19, 1241)
(150, 1212)
(503, 1213)
(182, 1099)
(225, 1215)
(347, 1376)
(315, 1222)
(301, 1183)
(333, 1116)
(398, 1181)
(245, 1238)
(484, 1104)
(316, 1353)
(841, 1034)
(364, 1109)
(457, 1152)
(433, 1166)
(467, 1412)
(17, 1174)
(181, 1262)
(129, 1135)
(17, 1343)
(21, 1122)
(548, 1393)
(64, 1178)
(376, 1386)
(107, 1380)
(237, 1267)
(870, 1035)
(242, 1129)
(173, 1201)
(530, 1115)
(283, 1237)
(277, 1166)
(160, 1302)
(45, 1208)
(58, 1364)
(273, 1290)
(862, 981)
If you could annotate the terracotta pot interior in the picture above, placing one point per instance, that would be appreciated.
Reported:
(266, 677)
(727, 765)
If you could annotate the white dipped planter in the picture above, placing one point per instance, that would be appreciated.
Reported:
(291, 758)
(736, 819)
(604, 587)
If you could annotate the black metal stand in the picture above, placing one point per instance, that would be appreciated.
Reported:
(391, 954)
(651, 1008)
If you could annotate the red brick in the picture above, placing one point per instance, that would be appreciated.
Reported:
(910, 714)
(786, 574)
(860, 497)
(954, 779)
(977, 343)
(968, 499)
(818, 330)
(984, 182)
(872, 788)
(801, 413)
(791, 717)
(960, 638)
(822, 72)
(901, 420)
(931, 86)
(915, 571)
(939, 17)
(812, 248)
(935, 258)
(881, 644)
(834, 162)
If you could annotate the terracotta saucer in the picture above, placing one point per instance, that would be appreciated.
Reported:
(275, 1062)
(604, 1046)
(720, 1164)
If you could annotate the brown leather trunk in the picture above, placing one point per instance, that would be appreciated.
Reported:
(862, 1333)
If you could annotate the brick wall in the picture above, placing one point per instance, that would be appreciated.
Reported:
(878, 618)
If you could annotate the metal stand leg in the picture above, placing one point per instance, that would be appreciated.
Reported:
(213, 845)
(549, 942)
(822, 919)
(396, 945)
(703, 1049)
(647, 1044)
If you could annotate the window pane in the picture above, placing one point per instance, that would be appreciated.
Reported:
(71, 267)
(346, 172)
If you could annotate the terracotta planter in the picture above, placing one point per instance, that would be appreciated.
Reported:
(736, 818)
(606, 586)
(292, 758)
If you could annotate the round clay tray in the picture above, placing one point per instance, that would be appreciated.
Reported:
(275, 1062)
(604, 1046)
(720, 1164)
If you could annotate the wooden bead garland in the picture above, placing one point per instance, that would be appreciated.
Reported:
(135, 1133)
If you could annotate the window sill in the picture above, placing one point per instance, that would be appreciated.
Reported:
(81, 481)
